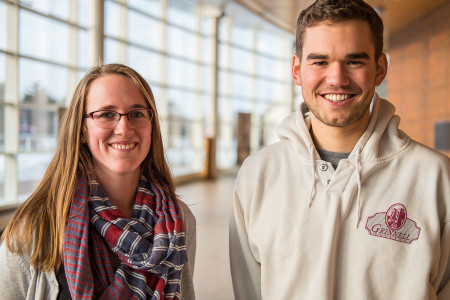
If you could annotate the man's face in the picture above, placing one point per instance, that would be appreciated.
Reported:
(338, 72)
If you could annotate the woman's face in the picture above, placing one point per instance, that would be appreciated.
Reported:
(119, 150)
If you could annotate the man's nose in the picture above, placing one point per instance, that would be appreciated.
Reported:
(337, 75)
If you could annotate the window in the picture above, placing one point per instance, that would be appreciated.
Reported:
(51, 53)
(182, 43)
(139, 31)
(254, 79)
(151, 7)
(171, 44)
(182, 13)
(42, 83)
(2, 179)
(147, 63)
(43, 38)
(2, 25)
(2, 132)
(167, 54)
(2, 78)
(58, 8)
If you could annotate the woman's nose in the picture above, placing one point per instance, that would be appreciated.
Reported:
(123, 125)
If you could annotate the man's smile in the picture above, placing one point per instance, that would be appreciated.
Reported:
(337, 97)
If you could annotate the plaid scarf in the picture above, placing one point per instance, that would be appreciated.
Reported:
(151, 245)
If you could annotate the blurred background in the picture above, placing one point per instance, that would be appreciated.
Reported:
(220, 71)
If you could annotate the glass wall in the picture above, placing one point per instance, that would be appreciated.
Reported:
(161, 40)
(254, 79)
(45, 48)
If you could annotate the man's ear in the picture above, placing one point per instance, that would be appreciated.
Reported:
(382, 66)
(296, 70)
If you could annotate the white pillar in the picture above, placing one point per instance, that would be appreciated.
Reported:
(11, 112)
(96, 32)
(163, 103)
(73, 50)
(123, 33)
(255, 119)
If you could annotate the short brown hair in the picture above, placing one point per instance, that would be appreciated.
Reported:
(334, 11)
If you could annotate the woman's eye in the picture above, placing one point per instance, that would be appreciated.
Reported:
(106, 115)
(136, 114)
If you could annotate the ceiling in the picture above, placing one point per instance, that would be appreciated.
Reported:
(396, 14)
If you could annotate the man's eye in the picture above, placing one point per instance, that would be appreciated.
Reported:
(319, 63)
(355, 62)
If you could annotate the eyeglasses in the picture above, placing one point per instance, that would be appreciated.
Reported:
(108, 119)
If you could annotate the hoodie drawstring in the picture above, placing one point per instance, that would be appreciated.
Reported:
(313, 184)
(358, 175)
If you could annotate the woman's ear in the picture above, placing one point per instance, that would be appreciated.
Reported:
(83, 138)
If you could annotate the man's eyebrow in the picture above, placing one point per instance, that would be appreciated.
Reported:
(360, 55)
(316, 56)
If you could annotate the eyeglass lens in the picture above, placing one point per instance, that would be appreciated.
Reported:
(110, 119)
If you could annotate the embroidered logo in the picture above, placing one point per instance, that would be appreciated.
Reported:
(394, 225)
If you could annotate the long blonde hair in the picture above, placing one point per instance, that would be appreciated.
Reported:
(38, 224)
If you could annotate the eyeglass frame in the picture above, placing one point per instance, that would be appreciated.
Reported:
(91, 115)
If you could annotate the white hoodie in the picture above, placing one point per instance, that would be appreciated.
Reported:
(377, 227)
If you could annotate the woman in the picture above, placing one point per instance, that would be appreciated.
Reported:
(105, 221)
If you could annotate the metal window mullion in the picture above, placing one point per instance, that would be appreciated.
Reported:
(163, 103)
(123, 32)
(255, 123)
(96, 32)
(73, 49)
(196, 135)
(214, 112)
(226, 116)
(11, 112)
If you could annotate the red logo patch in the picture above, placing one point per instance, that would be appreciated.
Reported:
(394, 225)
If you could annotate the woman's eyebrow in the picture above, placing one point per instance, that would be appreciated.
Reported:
(112, 107)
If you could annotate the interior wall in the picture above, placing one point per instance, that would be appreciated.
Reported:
(418, 77)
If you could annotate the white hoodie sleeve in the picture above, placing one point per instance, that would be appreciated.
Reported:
(245, 270)
(443, 286)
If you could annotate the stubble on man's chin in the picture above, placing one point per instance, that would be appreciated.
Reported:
(336, 122)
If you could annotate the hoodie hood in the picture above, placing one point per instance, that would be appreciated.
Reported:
(381, 140)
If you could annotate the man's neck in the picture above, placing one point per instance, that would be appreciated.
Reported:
(337, 139)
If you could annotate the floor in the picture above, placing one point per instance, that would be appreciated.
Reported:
(210, 202)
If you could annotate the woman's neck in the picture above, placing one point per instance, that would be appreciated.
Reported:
(121, 190)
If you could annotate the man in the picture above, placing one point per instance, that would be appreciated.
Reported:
(345, 206)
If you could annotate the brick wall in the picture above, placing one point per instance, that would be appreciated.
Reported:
(418, 80)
